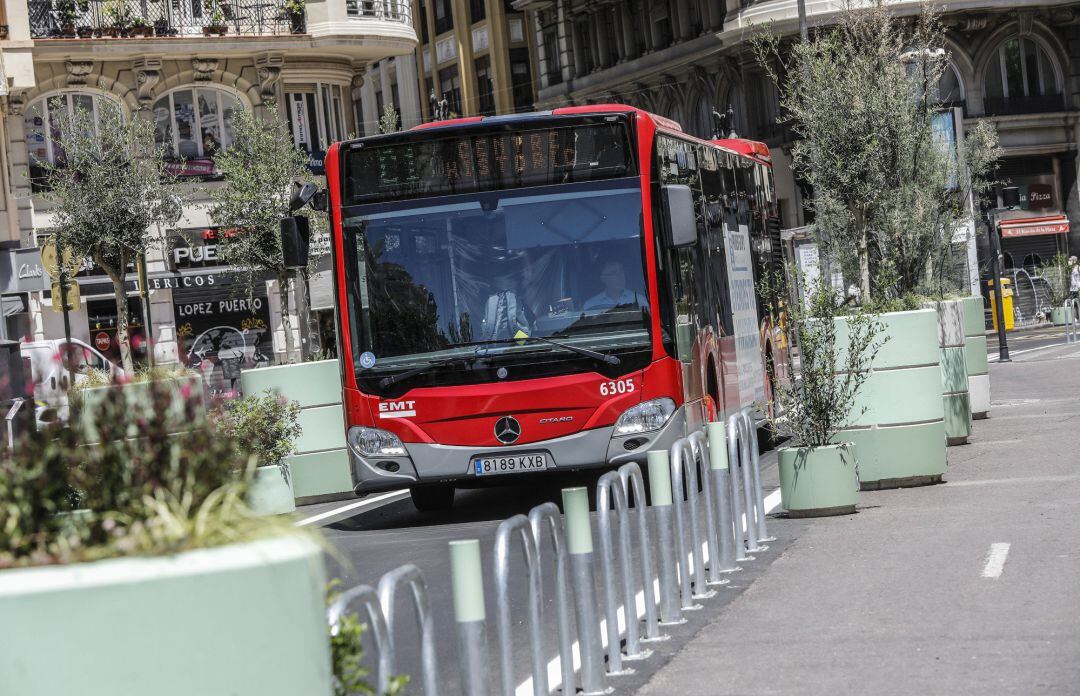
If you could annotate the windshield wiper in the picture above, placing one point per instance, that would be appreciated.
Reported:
(386, 382)
(595, 355)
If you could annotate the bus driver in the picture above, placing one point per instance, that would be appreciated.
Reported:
(615, 293)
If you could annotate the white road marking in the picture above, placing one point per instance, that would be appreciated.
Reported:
(350, 509)
(995, 560)
(554, 669)
(994, 358)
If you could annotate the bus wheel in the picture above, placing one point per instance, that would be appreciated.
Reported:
(434, 498)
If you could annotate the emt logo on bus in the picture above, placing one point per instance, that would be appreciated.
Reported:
(397, 409)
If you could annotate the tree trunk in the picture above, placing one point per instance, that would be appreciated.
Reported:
(123, 340)
(864, 257)
(286, 320)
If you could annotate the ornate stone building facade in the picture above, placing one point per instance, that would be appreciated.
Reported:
(1018, 67)
(186, 67)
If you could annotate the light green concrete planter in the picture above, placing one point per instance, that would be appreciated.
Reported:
(954, 374)
(975, 356)
(271, 491)
(320, 468)
(818, 481)
(241, 619)
(139, 400)
(900, 434)
(1059, 316)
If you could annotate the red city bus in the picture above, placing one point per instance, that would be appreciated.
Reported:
(540, 292)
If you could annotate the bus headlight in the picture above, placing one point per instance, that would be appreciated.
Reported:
(372, 442)
(646, 416)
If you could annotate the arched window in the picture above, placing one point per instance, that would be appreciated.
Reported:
(950, 88)
(1021, 77)
(194, 124)
(41, 123)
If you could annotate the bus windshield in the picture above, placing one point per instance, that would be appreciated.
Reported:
(434, 278)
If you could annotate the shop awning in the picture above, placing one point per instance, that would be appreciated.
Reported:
(1034, 226)
(13, 304)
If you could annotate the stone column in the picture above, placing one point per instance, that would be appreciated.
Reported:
(565, 31)
(627, 26)
(384, 83)
(579, 48)
(593, 27)
(541, 50)
(499, 39)
(463, 35)
(603, 43)
(408, 91)
(682, 31)
(369, 109)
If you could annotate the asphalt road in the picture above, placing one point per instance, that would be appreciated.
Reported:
(370, 543)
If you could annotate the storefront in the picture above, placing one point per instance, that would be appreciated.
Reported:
(1039, 229)
(222, 327)
(21, 273)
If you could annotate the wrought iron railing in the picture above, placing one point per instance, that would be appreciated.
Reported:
(389, 10)
(133, 18)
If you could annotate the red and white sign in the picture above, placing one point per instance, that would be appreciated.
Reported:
(102, 341)
(1031, 227)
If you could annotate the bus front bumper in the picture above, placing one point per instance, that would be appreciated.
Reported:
(588, 449)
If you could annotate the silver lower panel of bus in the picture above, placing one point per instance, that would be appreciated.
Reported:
(589, 449)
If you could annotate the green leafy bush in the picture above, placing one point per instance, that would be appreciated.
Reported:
(172, 487)
(265, 426)
(347, 655)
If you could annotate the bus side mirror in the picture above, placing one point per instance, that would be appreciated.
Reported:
(678, 208)
(295, 240)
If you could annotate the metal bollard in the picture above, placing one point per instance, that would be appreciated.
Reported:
(755, 469)
(718, 474)
(684, 471)
(519, 525)
(410, 575)
(611, 500)
(699, 445)
(467, 577)
(578, 527)
(749, 506)
(384, 647)
(549, 513)
(660, 487)
(738, 515)
(1072, 310)
(630, 475)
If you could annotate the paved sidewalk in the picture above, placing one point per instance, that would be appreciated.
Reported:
(895, 599)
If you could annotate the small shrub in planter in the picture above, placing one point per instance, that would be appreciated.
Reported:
(819, 476)
(266, 426)
(102, 537)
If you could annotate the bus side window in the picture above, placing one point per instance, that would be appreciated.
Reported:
(713, 190)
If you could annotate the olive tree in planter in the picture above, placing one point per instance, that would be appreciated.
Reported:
(109, 189)
(260, 169)
(818, 474)
(266, 427)
(138, 558)
(1057, 272)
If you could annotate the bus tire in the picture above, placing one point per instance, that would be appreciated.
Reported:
(433, 498)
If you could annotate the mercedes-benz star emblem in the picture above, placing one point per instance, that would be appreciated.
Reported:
(507, 430)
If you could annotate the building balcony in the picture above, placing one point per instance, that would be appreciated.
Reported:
(354, 29)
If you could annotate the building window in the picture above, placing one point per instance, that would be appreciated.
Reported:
(193, 125)
(42, 127)
(1021, 78)
(444, 16)
(316, 116)
(450, 86)
(422, 8)
(484, 87)
(477, 10)
(950, 89)
(521, 79)
(551, 55)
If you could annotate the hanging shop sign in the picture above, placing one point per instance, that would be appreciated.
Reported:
(21, 270)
